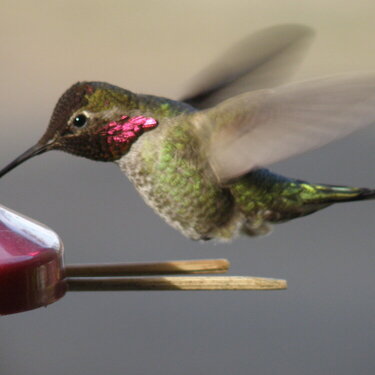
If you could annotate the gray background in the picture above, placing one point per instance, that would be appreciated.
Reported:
(324, 322)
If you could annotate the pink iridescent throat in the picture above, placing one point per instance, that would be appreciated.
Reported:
(127, 130)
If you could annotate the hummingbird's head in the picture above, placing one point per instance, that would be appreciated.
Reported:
(91, 119)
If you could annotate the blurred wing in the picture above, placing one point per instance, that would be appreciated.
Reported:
(266, 126)
(265, 59)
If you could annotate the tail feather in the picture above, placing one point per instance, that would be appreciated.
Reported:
(264, 197)
(329, 194)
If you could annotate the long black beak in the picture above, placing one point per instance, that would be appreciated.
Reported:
(32, 151)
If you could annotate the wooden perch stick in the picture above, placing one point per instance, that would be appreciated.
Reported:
(176, 283)
(144, 269)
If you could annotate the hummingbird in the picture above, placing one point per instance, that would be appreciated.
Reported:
(199, 162)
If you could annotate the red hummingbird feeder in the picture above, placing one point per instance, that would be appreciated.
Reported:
(32, 271)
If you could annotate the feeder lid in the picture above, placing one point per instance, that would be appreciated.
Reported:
(31, 263)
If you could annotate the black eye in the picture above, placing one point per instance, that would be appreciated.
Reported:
(79, 120)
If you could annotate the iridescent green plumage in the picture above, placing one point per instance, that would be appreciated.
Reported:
(264, 197)
(169, 168)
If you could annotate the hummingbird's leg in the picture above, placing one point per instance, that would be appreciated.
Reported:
(256, 226)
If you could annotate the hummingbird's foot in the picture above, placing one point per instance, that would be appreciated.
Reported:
(256, 228)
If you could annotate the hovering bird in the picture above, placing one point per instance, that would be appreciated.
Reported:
(198, 162)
